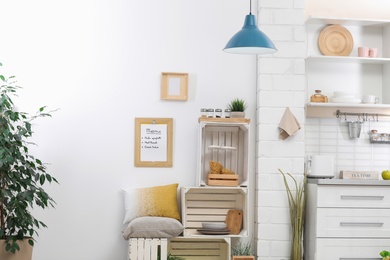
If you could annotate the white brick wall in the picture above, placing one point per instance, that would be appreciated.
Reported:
(281, 83)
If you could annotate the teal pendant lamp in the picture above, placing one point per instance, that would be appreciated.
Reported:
(250, 40)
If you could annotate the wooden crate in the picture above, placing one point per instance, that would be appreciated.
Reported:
(147, 248)
(222, 180)
(200, 249)
(243, 257)
(225, 141)
(211, 204)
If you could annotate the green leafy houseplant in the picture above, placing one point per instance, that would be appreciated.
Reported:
(237, 105)
(385, 255)
(297, 206)
(22, 176)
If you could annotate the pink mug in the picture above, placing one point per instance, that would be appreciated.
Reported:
(363, 51)
(373, 52)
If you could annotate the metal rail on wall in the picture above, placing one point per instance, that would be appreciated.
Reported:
(362, 116)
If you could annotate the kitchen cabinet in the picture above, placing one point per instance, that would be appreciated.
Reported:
(347, 219)
(363, 76)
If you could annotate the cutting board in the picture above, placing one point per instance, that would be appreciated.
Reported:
(234, 221)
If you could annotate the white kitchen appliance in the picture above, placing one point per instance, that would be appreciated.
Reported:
(320, 166)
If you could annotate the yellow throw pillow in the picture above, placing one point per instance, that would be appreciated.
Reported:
(158, 201)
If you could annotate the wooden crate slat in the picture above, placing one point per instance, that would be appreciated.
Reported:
(163, 248)
(221, 128)
(200, 248)
(206, 218)
(148, 249)
(196, 251)
(203, 258)
(205, 196)
(215, 191)
(194, 245)
(206, 211)
(211, 204)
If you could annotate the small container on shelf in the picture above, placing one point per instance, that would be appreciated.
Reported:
(210, 112)
(318, 97)
(227, 113)
(218, 113)
(203, 112)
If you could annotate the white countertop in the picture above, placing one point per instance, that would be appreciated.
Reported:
(348, 182)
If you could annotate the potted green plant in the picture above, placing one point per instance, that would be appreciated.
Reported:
(242, 251)
(237, 108)
(22, 177)
(297, 206)
(385, 255)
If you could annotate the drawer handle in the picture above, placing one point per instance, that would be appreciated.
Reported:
(362, 224)
(352, 197)
(364, 258)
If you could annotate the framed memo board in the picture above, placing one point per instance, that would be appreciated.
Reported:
(174, 86)
(153, 142)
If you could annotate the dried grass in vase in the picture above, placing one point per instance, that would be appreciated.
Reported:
(297, 206)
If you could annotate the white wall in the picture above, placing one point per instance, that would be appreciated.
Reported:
(100, 62)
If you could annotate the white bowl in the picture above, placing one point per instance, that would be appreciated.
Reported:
(344, 94)
(214, 225)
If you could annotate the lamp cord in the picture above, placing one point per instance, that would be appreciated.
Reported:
(250, 7)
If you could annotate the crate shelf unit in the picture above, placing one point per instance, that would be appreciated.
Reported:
(211, 204)
(147, 248)
(226, 141)
(200, 249)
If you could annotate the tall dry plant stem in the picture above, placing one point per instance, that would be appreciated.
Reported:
(297, 206)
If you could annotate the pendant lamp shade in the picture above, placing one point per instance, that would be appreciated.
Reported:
(250, 40)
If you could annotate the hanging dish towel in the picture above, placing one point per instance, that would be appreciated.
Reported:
(289, 125)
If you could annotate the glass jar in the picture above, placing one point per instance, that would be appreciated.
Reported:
(227, 113)
(218, 113)
(203, 112)
(210, 112)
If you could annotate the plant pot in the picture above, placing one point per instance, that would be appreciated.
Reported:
(25, 252)
(243, 257)
(237, 114)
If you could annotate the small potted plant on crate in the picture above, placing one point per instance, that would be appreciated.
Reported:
(242, 251)
(237, 108)
(21, 177)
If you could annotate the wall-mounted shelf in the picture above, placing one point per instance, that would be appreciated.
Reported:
(359, 75)
(348, 59)
(345, 21)
(224, 120)
(329, 110)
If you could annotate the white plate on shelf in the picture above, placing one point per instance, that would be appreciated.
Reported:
(214, 232)
(345, 100)
(214, 225)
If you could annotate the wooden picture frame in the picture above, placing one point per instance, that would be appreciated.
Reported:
(174, 86)
(153, 142)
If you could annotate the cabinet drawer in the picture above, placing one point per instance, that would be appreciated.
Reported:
(338, 222)
(350, 249)
(353, 196)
